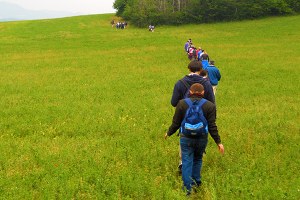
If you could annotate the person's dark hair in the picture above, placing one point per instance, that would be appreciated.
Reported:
(212, 62)
(195, 66)
(203, 73)
(196, 89)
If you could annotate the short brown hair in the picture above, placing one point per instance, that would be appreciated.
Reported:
(196, 88)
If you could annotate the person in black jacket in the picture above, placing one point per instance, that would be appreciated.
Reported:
(182, 86)
(193, 147)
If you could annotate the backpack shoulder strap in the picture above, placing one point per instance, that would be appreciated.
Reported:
(188, 101)
(203, 80)
(202, 101)
(185, 83)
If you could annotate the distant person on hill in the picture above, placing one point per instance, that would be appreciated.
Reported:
(193, 145)
(192, 52)
(190, 45)
(214, 75)
(203, 55)
(186, 46)
(122, 25)
(199, 52)
(112, 23)
(151, 28)
(118, 25)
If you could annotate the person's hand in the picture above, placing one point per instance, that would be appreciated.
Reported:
(166, 136)
(221, 148)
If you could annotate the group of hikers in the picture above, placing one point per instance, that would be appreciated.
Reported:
(119, 25)
(123, 25)
(196, 53)
(209, 70)
(195, 115)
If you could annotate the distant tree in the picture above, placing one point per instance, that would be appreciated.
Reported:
(145, 12)
(277, 7)
(120, 6)
(294, 4)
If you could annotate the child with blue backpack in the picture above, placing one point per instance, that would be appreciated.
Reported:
(195, 117)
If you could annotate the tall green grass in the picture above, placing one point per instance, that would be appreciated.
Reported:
(84, 108)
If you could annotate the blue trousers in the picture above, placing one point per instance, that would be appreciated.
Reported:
(192, 152)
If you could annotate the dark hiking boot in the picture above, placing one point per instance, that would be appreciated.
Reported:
(196, 186)
(180, 169)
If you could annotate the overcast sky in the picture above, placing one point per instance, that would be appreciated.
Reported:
(74, 6)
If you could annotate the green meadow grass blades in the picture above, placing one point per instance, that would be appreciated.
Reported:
(84, 108)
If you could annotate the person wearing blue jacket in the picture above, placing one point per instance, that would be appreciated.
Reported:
(181, 87)
(214, 75)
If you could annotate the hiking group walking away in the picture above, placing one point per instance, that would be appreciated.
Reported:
(195, 114)
(196, 54)
(123, 25)
(119, 25)
(208, 65)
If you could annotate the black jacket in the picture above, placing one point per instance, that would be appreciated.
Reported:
(180, 89)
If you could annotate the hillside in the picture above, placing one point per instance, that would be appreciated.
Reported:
(84, 108)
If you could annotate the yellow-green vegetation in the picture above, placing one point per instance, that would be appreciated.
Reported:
(84, 108)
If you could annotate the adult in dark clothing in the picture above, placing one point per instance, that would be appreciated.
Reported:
(180, 89)
(193, 147)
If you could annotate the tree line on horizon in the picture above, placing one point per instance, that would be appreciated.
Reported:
(174, 12)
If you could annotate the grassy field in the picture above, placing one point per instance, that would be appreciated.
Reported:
(84, 108)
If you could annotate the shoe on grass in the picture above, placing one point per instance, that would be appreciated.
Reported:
(180, 168)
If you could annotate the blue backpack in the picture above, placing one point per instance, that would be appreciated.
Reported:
(194, 122)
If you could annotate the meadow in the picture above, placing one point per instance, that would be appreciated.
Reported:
(84, 108)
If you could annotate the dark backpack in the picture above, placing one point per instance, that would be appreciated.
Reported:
(194, 122)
